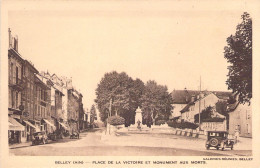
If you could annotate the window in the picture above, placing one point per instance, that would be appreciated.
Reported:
(42, 94)
(16, 75)
(28, 105)
(247, 115)
(38, 110)
(16, 100)
(45, 96)
(248, 128)
(11, 72)
(13, 101)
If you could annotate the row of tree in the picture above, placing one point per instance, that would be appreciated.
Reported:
(119, 94)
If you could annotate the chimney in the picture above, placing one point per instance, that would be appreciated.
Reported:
(10, 37)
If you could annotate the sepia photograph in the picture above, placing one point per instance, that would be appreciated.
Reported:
(117, 78)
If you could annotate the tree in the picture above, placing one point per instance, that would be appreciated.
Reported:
(238, 53)
(221, 108)
(93, 114)
(156, 103)
(123, 92)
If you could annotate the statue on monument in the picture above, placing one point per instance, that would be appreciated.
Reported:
(138, 124)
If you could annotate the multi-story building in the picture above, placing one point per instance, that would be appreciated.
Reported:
(58, 113)
(15, 87)
(75, 109)
(186, 104)
(196, 106)
(29, 97)
(39, 102)
(240, 119)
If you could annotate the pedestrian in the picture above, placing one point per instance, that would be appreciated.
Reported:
(237, 136)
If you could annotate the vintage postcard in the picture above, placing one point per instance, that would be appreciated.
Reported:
(130, 84)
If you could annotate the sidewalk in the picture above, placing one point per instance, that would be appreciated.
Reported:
(27, 144)
(20, 145)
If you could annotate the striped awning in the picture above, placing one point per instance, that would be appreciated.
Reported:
(15, 125)
(63, 125)
(48, 122)
(30, 124)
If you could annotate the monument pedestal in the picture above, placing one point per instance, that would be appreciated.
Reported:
(138, 126)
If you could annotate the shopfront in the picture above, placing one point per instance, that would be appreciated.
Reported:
(50, 128)
(30, 129)
(15, 131)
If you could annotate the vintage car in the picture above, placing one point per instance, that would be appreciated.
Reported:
(52, 136)
(219, 139)
(74, 135)
(39, 137)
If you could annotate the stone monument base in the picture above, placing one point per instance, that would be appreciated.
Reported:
(134, 127)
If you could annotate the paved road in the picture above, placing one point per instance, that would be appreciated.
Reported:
(93, 144)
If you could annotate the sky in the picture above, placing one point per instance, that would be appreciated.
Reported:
(172, 47)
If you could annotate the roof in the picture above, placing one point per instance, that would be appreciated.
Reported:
(31, 66)
(232, 107)
(222, 95)
(39, 81)
(186, 108)
(185, 96)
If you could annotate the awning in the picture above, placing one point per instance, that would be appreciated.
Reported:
(63, 125)
(10, 124)
(49, 123)
(30, 124)
(15, 125)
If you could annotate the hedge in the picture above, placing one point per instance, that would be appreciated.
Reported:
(182, 125)
(160, 122)
(116, 120)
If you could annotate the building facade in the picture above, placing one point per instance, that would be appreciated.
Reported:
(16, 85)
(240, 119)
(195, 107)
(29, 97)
(39, 101)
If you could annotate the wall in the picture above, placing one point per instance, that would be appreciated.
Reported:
(14, 95)
(241, 119)
(214, 126)
(177, 108)
(209, 100)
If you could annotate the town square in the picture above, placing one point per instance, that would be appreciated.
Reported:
(94, 84)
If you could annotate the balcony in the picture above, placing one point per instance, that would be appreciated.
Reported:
(17, 84)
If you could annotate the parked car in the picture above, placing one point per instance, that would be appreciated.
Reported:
(59, 134)
(52, 136)
(219, 139)
(74, 135)
(66, 133)
(39, 137)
